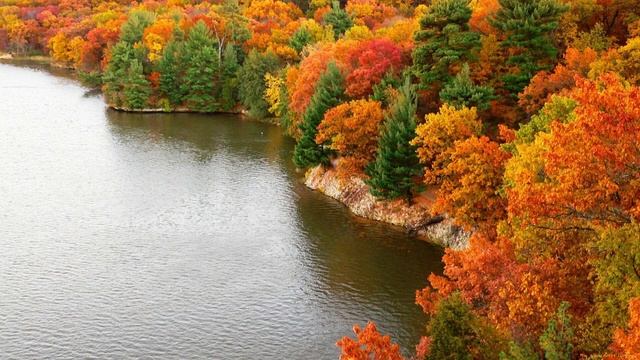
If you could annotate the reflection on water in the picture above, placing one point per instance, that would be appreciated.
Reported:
(175, 235)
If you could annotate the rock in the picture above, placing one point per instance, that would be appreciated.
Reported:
(416, 219)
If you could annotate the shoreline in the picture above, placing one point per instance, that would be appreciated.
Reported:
(352, 193)
(415, 219)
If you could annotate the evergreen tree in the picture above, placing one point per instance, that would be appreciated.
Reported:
(527, 25)
(230, 66)
(251, 81)
(283, 110)
(461, 91)
(444, 40)
(122, 55)
(329, 93)
(339, 20)
(396, 166)
(300, 39)
(381, 91)
(137, 88)
(201, 69)
(133, 29)
(127, 59)
(170, 74)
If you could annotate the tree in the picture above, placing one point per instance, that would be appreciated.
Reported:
(352, 130)
(527, 25)
(201, 69)
(309, 72)
(444, 42)
(437, 135)
(462, 92)
(626, 344)
(556, 341)
(470, 181)
(272, 23)
(558, 108)
(544, 85)
(122, 56)
(369, 345)
(616, 266)
(251, 81)
(228, 26)
(136, 86)
(156, 36)
(393, 172)
(371, 61)
(339, 20)
(169, 69)
(229, 74)
(300, 39)
(456, 333)
(329, 92)
(133, 29)
(552, 183)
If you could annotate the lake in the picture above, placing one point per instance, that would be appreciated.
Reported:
(179, 236)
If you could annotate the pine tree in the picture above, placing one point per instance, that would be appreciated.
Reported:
(300, 39)
(444, 40)
(396, 166)
(339, 20)
(461, 92)
(137, 88)
(527, 25)
(201, 75)
(122, 55)
(329, 93)
(133, 29)
(127, 60)
(230, 66)
(170, 74)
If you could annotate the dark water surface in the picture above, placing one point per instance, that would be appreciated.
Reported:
(179, 236)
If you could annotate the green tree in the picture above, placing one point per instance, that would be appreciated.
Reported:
(457, 334)
(558, 108)
(556, 341)
(339, 20)
(133, 29)
(122, 55)
(393, 172)
(301, 38)
(251, 81)
(201, 69)
(169, 69)
(519, 352)
(329, 93)
(382, 90)
(230, 67)
(527, 25)
(443, 42)
(137, 88)
(462, 92)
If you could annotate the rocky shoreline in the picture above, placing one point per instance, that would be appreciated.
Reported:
(416, 219)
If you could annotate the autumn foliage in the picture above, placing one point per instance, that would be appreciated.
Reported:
(369, 345)
(521, 116)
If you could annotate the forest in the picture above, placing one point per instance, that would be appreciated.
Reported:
(523, 115)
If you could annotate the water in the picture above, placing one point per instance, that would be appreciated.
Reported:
(179, 236)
